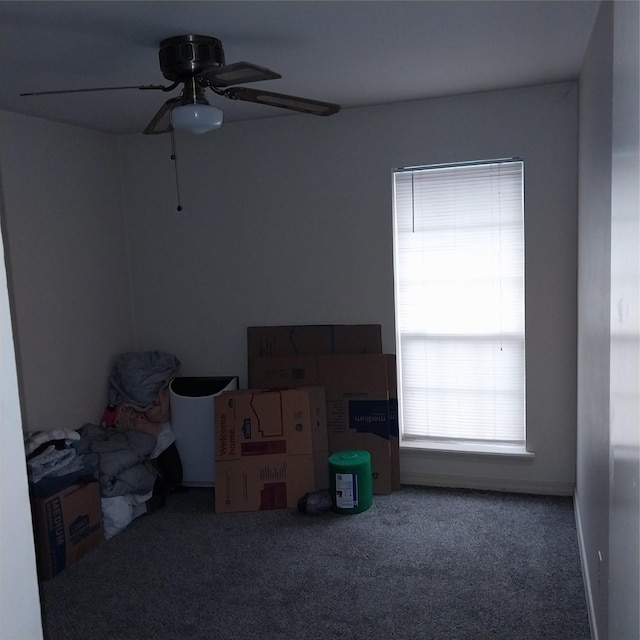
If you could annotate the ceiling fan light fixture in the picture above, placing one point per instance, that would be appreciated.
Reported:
(197, 62)
(196, 118)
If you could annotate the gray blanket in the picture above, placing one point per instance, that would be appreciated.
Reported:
(136, 378)
(121, 457)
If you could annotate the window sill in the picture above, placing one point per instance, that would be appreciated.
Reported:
(469, 448)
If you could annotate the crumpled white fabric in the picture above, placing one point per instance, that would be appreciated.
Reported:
(120, 511)
(34, 439)
(53, 462)
(166, 438)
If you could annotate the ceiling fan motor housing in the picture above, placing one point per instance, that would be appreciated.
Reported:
(188, 56)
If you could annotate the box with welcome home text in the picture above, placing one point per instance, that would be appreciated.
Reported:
(271, 448)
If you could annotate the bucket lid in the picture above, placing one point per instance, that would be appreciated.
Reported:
(350, 457)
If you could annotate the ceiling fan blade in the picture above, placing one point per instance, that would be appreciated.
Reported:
(314, 107)
(161, 122)
(142, 87)
(238, 72)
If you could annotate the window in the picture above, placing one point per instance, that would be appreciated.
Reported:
(459, 286)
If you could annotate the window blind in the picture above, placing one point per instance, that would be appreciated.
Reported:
(459, 282)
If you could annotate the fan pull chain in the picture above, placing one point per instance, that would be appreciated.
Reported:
(175, 169)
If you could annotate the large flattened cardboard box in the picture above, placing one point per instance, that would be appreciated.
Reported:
(67, 525)
(361, 403)
(313, 340)
(271, 448)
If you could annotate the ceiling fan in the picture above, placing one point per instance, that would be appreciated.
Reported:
(198, 63)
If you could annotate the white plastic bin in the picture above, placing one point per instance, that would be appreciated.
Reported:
(193, 423)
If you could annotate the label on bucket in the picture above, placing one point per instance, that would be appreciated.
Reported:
(346, 490)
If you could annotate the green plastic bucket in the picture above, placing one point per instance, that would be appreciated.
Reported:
(350, 481)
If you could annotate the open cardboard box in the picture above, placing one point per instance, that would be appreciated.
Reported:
(361, 403)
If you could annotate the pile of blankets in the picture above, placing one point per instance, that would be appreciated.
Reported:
(52, 461)
(132, 451)
(139, 391)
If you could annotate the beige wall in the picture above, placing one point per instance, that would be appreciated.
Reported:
(607, 493)
(286, 220)
(68, 266)
(289, 221)
(594, 289)
(624, 435)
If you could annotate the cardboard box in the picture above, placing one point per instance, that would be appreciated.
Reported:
(283, 372)
(361, 403)
(358, 410)
(67, 525)
(271, 448)
(313, 340)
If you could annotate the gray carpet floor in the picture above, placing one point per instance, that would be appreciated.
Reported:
(428, 563)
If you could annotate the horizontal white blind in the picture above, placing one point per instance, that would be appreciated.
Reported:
(459, 272)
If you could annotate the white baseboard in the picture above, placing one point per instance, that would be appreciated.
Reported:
(487, 484)
(585, 571)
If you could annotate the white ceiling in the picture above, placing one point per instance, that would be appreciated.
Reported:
(354, 53)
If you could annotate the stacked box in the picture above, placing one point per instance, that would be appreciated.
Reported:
(67, 525)
(313, 339)
(271, 448)
(360, 389)
(358, 410)
(361, 403)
